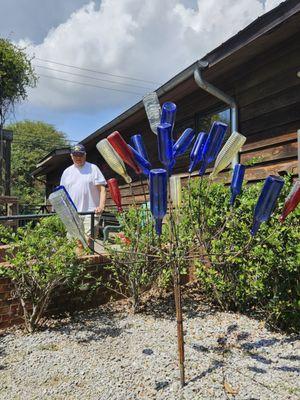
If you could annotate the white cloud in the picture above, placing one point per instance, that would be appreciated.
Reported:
(269, 4)
(152, 40)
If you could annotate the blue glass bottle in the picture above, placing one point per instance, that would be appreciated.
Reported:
(196, 154)
(158, 179)
(144, 164)
(214, 141)
(237, 182)
(183, 142)
(213, 144)
(139, 145)
(266, 201)
(168, 114)
(165, 148)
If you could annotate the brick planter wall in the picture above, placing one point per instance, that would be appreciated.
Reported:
(11, 311)
(10, 307)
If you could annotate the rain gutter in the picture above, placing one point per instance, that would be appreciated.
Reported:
(219, 94)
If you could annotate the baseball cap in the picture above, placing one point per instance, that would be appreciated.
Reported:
(78, 149)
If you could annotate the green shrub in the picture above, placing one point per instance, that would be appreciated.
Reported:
(261, 274)
(42, 260)
(135, 257)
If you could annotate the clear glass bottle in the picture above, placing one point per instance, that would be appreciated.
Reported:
(175, 191)
(153, 110)
(228, 151)
(113, 159)
(67, 212)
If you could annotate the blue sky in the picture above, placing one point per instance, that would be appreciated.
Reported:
(129, 39)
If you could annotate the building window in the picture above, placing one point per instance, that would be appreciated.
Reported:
(204, 122)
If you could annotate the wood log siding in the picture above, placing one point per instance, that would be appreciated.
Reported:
(276, 155)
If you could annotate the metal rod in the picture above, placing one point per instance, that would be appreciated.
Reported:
(177, 291)
(179, 321)
(92, 243)
(38, 216)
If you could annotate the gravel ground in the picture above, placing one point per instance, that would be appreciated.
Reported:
(109, 354)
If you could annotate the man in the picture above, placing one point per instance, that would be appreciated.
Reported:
(85, 184)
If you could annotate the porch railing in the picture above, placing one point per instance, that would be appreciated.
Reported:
(22, 219)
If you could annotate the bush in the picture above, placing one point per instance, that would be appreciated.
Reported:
(243, 274)
(135, 258)
(42, 260)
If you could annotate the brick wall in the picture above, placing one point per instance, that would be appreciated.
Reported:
(10, 310)
(10, 307)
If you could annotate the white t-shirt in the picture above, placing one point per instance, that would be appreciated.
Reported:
(80, 183)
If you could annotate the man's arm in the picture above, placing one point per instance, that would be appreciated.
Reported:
(102, 199)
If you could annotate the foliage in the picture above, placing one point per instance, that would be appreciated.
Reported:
(33, 140)
(42, 261)
(16, 76)
(259, 274)
(135, 259)
(241, 273)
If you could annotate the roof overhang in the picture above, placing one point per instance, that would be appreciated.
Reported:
(50, 162)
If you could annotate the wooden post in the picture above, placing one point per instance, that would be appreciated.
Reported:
(7, 158)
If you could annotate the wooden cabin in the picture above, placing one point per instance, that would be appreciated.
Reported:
(257, 68)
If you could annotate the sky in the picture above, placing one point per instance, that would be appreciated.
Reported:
(95, 59)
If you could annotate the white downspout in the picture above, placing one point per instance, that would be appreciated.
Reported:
(213, 90)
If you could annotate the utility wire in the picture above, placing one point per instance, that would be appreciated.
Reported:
(88, 84)
(97, 72)
(91, 77)
(45, 139)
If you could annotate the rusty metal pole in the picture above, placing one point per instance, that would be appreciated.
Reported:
(177, 293)
(179, 320)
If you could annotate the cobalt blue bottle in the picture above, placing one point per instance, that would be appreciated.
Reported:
(158, 179)
(165, 147)
(196, 154)
(237, 182)
(213, 144)
(266, 202)
(183, 142)
(144, 164)
(168, 114)
(139, 145)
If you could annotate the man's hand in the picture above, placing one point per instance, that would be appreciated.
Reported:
(99, 210)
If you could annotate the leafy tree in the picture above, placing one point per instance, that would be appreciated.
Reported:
(32, 141)
(16, 76)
